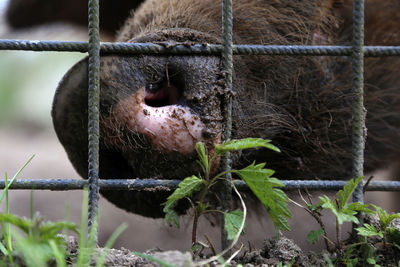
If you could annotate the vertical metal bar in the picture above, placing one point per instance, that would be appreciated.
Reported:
(93, 111)
(358, 136)
(227, 64)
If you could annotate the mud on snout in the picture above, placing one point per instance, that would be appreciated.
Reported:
(153, 110)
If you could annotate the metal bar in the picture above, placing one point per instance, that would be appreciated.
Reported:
(197, 49)
(227, 67)
(142, 184)
(359, 112)
(93, 110)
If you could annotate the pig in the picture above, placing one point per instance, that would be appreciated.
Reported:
(155, 108)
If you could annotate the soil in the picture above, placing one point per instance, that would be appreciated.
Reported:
(274, 252)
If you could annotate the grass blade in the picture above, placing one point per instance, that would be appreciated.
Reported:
(82, 258)
(7, 236)
(58, 254)
(7, 185)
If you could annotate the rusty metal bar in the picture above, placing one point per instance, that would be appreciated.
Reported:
(197, 49)
(93, 110)
(142, 184)
(227, 68)
(359, 112)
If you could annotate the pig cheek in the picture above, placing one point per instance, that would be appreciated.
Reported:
(169, 128)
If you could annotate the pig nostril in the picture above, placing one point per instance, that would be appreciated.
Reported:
(162, 94)
(153, 87)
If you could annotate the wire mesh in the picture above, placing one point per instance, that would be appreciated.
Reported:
(357, 52)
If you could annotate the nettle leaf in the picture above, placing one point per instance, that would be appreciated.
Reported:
(344, 195)
(51, 229)
(171, 217)
(344, 211)
(233, 220)
(235, 145)
(359, 207)
(313, 236)
(347, 215)
(369, 230)
(384, 217)
(342, 214)
(188, 186)
(185, 188)
(328, 203)
(393, 235)
(21, 223)
(201, 152)
(264, 187)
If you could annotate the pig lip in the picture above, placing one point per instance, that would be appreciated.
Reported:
(171, 128)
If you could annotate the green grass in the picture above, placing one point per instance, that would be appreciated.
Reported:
(37, 242)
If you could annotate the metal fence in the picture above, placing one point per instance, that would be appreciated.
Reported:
(357, 52)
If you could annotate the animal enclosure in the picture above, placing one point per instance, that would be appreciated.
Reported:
(357, 51)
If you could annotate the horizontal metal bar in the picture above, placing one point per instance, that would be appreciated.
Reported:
(75, 184)
(141, 184)
(202, 49)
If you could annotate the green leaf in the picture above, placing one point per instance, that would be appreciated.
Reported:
(233, 220)
(344, 195)
(313, 236)
(188, 186)
(369, 230)
(49, 230)
(342, 214)
(343, 211)
(171, 217)
(264, 187)
(384, 217)
(201, 152)
(234, 145)
(19, 222)
(355, 206)
(393, 235)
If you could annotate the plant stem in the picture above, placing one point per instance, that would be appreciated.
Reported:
(384, 239)
(199, 210)
(317, 217)
(194, 228)
(338, 234)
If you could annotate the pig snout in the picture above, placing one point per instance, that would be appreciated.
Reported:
(153, 111)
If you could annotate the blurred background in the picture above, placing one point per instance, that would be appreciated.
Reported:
(27, 84)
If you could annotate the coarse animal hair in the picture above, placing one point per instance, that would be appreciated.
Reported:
(302, 103)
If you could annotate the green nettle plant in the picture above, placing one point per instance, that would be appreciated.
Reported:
(258, 178)
(347, 212)
(386, 232)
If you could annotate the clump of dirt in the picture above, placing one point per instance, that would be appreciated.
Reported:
(275, 251)
(281, 250)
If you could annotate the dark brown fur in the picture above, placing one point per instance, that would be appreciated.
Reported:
(306, 100)
(302, 103)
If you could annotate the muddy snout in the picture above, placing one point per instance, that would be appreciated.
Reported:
(153, 110)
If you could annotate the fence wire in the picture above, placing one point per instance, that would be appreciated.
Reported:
(356, 52)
